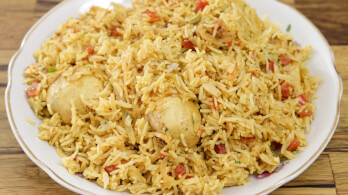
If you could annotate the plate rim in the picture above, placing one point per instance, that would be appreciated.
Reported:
(76, 189)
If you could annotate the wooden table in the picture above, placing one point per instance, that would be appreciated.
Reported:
(327, 175)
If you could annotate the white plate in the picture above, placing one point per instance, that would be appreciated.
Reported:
(321, 63)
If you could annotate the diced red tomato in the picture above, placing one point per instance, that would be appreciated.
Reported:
(294, 144)
(305, 113)
(200, 5)
(90, 49)
(285, 90)
(180, 170)
(110, 168)
(229, 43)
(32, 90)
(75, 157)
(285, 60)
(220, 149)
(213, 104)
(246, 140)
(188, 44)
(152, 15)
(114, 31)
(271, 66)
(304, 98)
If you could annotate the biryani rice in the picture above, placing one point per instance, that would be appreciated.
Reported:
(228, 76)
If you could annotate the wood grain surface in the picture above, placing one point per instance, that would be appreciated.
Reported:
(327, 175)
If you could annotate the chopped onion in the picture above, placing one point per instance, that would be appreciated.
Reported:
(266, 174)
(172, 66)
(79, 174)
(297, 43)
(263, 175)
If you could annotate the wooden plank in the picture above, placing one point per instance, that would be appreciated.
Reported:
(288, 2)
(339, 140)
(341, 59)
(304, 190)
(5, 56)
(21, 176)
(7, 139)
(17, 5)
(18, 24)
(2, 105)
(337, 146)
(11, 150)
(3, 76)
(315, 174)
(340, 170)
(330, 17)
(342, 67)
(42, 6)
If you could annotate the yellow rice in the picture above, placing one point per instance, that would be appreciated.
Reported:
(147, 62)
